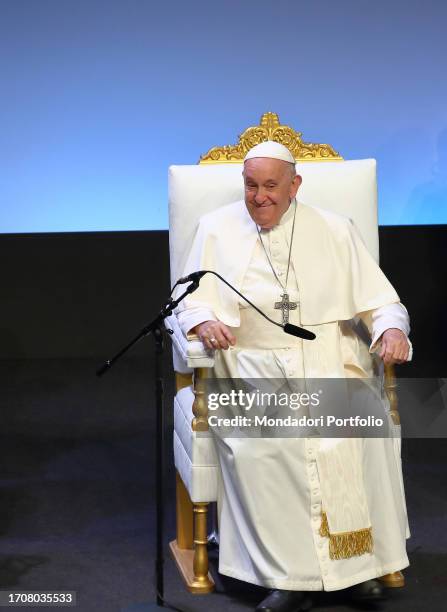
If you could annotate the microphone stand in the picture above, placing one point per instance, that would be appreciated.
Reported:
(156, 328)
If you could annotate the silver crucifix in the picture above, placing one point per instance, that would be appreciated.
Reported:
(285, 305)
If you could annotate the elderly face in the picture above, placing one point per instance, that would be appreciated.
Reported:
(269, 189)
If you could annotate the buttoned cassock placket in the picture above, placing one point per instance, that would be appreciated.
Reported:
(281, 234)
(321, 543)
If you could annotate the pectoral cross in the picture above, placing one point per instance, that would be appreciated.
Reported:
(285, 306)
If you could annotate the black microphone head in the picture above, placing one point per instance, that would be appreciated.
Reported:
(299, 332)
(194, 276)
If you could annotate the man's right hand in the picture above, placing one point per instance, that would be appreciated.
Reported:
(215, 335)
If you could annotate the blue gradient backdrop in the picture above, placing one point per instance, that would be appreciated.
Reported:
(98, 97)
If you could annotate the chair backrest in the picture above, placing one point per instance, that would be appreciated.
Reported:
(345, 187)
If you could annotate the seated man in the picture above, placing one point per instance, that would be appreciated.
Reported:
(309, 266)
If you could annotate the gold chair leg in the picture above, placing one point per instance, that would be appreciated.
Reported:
(203, 583)
(393, 581)
(189, 550)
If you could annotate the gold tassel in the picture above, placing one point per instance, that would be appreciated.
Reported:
(348, 544)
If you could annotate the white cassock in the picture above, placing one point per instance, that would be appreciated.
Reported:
(270, 490)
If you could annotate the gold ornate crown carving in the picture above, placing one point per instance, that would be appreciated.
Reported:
(270, 129)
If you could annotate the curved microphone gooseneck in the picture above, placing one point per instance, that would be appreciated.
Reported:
(293, 330)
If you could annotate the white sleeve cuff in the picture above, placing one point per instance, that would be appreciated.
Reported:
(191, 317)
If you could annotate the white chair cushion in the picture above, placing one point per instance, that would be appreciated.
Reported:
(194, 455)
(200, 481)
(199, 448)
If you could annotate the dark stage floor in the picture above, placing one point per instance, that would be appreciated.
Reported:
(77, 495)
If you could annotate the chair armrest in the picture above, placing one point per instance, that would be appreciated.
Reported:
(192, 352)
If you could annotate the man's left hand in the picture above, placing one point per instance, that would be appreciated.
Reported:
(395, 347)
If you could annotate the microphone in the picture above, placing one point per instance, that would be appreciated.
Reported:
(293, 330)
(194, 276)
(299, 332)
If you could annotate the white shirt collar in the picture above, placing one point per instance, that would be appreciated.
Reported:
(288, 215)
(285, 219)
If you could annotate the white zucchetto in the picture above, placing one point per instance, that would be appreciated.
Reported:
(271, 149)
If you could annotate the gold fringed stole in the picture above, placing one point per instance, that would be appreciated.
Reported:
(347, 544)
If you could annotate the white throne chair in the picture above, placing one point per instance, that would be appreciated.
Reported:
(346, 187)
